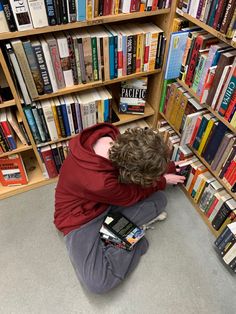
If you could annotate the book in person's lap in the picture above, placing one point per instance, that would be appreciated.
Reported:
(119, 230)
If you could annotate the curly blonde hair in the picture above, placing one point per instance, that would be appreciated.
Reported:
(140, 155)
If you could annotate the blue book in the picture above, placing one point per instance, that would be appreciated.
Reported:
(211, 16)
(214, 142)
(65, 116)
(175, 54)
(112, 56)
(32, 124)
(106, 110)
(201, 130)
(81, 10)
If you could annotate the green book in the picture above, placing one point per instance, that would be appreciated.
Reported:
(163, 94)
(95, 58)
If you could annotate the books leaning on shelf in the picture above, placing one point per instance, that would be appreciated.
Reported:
(10, 131)
(133, 96)
(12, 171)
(226, 244)
(219, 15)
(120, 231)
(53, 62)
(28, 14)
(61, 117)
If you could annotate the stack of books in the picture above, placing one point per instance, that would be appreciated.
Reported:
(226, 245)
(120, 231)
(218, 14)
(29, 14)
(50, 63)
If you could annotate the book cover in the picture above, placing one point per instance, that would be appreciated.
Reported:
(51, 12)
(38, 13)
(133, 95)
(9, 15)
(12, 171)
(48, 159)
(21, 14)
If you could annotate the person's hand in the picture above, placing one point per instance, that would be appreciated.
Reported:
(174, 178)
(178, 165)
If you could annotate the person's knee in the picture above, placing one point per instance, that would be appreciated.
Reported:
(160, 199)
(101, 287)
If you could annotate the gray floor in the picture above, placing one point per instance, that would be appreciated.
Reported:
(179, 274)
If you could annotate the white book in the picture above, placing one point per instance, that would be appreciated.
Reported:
(195, 165)
(3, 22)
(21, 14)
(19, 75)
(224, 197)
(64, 57)
(193, 8)
(186, 6)
(125, 6)
(49, 64)
(38, 13)
(48, 114)
(230, 255)
(69, 100)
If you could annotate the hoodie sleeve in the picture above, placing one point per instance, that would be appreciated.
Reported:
(171, 168)
(124, 194)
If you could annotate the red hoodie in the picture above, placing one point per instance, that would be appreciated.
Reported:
(88, 182)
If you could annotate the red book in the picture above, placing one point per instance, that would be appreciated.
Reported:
(229, 170)
(231, 106)
(218, 13)
(154, 5)
(135, 5)
(12, 171)
(47, 156)
(199, 120)
(213, 205)
(107, 7)
(232, 178)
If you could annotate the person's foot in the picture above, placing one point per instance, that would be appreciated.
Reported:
(162, 216)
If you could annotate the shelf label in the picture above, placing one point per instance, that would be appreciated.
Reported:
(180, 12)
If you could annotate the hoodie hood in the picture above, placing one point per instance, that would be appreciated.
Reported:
(81, 146)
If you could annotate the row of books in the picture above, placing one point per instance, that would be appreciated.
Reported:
(213, 200)
(219, 14)
(52, 62)
(64, 116)
(209, 69)
(28, 14)
(200, 129)
(52, 157)
(12, 170)
(225, 244)
(10, 130)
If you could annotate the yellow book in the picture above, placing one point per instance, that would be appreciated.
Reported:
(116, 6)
(207, 178)
(100, 110)
(55, 116)
(206, 135)
(171, 100)
(89, 10)
(139, 53)
(179, 95)
(233, 121)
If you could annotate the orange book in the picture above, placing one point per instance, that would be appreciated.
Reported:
(199, 170)
(12, 171)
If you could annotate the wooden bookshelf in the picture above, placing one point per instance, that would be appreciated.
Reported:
(216, 114)
(8, 103)
(96, 21)
(87, 86)
(203, 216)
(206, 27)
(20, 148)
(173, 127)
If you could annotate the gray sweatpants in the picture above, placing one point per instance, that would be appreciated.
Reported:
(101, 267)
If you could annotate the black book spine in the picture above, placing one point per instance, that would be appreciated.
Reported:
(232, 264)
(58, 11)
(163, 47)
(221, 216)
(43, 68)
(22, 127)
(161, 4)
(61, 153)
(72, 10)
(224, 234)
(4, 144)
(129, 54)
(75, 122)
(72, 58)
(56, 157)
(64, 14)
(60, 119)
(51, 12)
(9, 15)
(100, 8)
(116, 56)
(228, 245)
(158, 54)
(222, 14)
(134, 53)
(44, 124)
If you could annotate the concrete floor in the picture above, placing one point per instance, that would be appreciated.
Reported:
(180, 273)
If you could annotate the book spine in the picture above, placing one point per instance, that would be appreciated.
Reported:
(65, 61)
(43, 68)
(65, 119)
(51, 12)
(71, 5)
(49, 118)
(81, 10)
(21, 14)
(56, 157)
(228, 94)
(228, 16)
(9, 15)
(39, 123)
(32, 124)
(129, 54)
(72, 58)
(43, 121)
(87, 49)
(60, 120)
(38, 13)
(81, 61)
(95, 58)
(199, 10)
(49, 162)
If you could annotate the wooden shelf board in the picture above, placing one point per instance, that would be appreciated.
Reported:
(20, 148)
(216, 114)
(82, 87)
(96, 21)
(205, 219)
(173, 127)
(36, 179)
(206, 27)
(8, 103)
(213, 172)
(126, 118)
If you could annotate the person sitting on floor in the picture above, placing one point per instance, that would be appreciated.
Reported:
(106, 171)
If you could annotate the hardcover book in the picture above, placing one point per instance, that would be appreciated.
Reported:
(12, 171)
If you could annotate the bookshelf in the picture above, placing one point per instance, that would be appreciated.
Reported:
(222, 38)
(160, 17)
